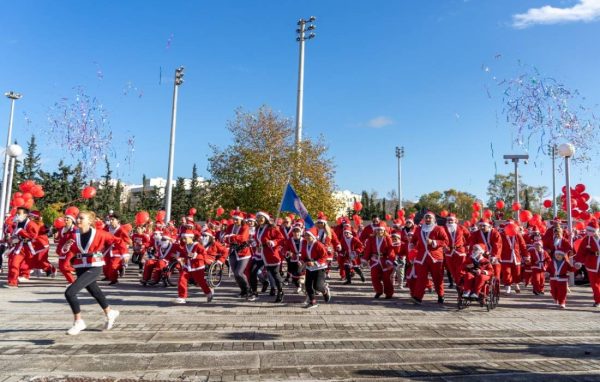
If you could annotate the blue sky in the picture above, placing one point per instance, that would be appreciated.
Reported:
(379, 74)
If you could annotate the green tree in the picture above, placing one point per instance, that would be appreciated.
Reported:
(252, 172)
(31, 163)
(502, 187)
(451, 200)
(179, 200)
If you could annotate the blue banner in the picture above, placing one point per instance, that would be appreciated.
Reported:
(292, 203)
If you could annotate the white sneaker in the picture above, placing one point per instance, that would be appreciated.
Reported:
(562, 306)
(111, 317)
(298, 290)
(209, 297)
(508, 290)
(23, 279)
(77, 327)
(474, 295)
(8, 286)
(466, 294)
(179, 300)
(517, 288)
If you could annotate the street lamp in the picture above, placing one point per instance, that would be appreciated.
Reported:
(399, 155)
(515, 159)
(304, 33)
(14, 151)
(567, 150)
(552, 153)
(178, 81)
(13, 97)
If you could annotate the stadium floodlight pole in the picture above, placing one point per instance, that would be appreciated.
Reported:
(515, 159)
(13, 97)
(552, 153)
(304, 33)
(169, 190)
(400, 155)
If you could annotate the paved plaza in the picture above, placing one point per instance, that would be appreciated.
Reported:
(353, 338)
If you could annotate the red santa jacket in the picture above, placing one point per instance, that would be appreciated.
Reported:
(435, 250)
(331, 242)
(170, 252)
(482, 264)
(315, 253)
(215, 251)
(268, 242)
(589, 254)
(237, 237)
(491, 242)
(351, 246)
(292, 249)
(558, 272)
(23, 233)
(380, 252)
(122, 246)
(193, 256)
(539, 260)
(141, 242)
(456, 242)
(366, 233)
(513, 248)
(92, 255)
(62, 237)
(40, 243)
(561, 244)
(285, 231)
(548, 238)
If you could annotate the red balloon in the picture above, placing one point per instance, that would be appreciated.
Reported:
(580, 226)
(160, 216)
(18, 202)
(510, 229)
(585, 196)
(37, 191)
(575, 214)
(357, 220)
(597, 214)
(17, 195)
(192, 211)
(580, 188)
(537, 218)
(525, 216)
(487, 214)
(500, 204)
(28, 204)
(358, 206)
(400, 213)
(476, 206)
(27, 196)
(564, 189)
(547, 203)
(516, 206)
(444, 213)
(59, 223)
(474, 215)
(388, 217)
(585, 215)
(583, 206)
(26, 185)
(220, 211)
(88, 192)
(142, 218)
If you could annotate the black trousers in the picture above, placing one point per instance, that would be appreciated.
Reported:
(238, 268)
(294, 270)
(273, 271)
(315, 281)
(86, 278)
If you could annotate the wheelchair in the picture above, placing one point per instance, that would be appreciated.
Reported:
(488, 297)
(215, 272)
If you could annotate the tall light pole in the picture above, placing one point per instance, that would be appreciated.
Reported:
(399, 156)
(552, 153)
(13, 97)
(304, 33)
(169, 190)
(567, 150)
(515, 159)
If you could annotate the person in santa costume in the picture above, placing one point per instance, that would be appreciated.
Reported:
(86, 250)
(553, 233)
(526, 268)
(379, 255)
(429, 240)
(293, 249)
(538, 260)
(215, 251)
(237, 237)
(477, 269)
(349, 256)
(455, 253)
(64, 234)
(589, 255)
(314, 259)
(328, 238)
(141, 243)
(192, 256)
(558, 270)
(117, 255)
(40, 247)
(369, 231)
(268, 241)
(513, 248)
(159, 259)
(491, 241)
(23, 232)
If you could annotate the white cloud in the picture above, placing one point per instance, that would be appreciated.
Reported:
(584, 10)
(379, 122)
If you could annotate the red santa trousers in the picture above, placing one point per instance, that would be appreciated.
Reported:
(473, 283)
(455, 266)
(595, 284)
(40, 261)
(526, 275)
(198, 277)
(558, 289)
(437, 274)
(153, 269)
(511, 273)
(538, 280)
(17, 266)
(382, 281)
(65, 267)
(111, 267)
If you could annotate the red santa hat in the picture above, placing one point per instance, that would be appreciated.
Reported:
(166, 236)
(559, 252)
(477, 250)
(397, 234)
(452, 216)
(188, 233)
(35, 214)
(592, 226)
(347, 228)
(484, 221)
(379, 226)
(297, 227)
(72, 212)
(312, 232)
(237, 215)
(264, 215)
(224, 221)
(321, 218)
(251, 218)
(208, 232)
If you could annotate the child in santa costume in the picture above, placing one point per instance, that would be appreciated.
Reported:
(380, 255)
(538, 260)
(477, 269)
(40, 246)
(159, 259)
(293, 249)
(513, 248)
(23, 232)
(192, 258)
(558, 270)
(64, 234)
(314, 258)
(117, 255)
(349, 256)
(141, 243)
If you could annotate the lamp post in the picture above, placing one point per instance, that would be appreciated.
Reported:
(302, 31)
(552, 153)
(178, 81)
(12, 151)
(515, 159)
(399, 155)
(13, 97)
(567, 150)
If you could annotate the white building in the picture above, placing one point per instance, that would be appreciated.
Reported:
(345, 200)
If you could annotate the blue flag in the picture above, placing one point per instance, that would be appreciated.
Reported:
(292, 203)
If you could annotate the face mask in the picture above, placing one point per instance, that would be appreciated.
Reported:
(451, 227)
(164, 244)
(20, 218)
(205, 241)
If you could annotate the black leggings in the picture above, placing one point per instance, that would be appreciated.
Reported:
(86, 278)
(315, 280)
(273, 271)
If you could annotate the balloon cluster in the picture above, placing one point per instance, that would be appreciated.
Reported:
(579, 202)
(29, 192)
